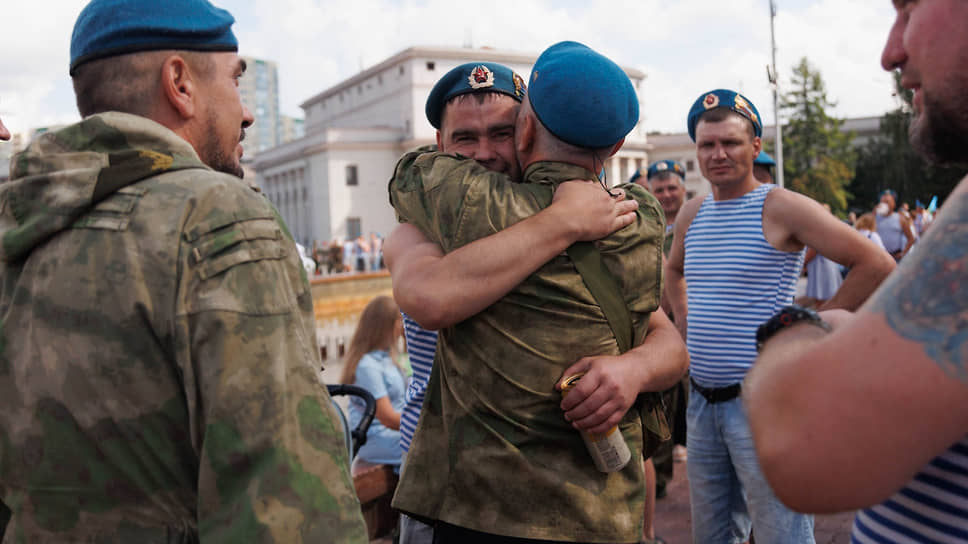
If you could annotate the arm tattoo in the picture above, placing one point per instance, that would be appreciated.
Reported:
(926, 299)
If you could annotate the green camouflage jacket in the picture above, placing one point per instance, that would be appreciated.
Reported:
(492, 451)
(158, 361)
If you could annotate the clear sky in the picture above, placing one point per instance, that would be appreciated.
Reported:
(685, 47)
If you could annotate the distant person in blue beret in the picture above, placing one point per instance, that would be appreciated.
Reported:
(497, 455)
(666, 180)
(735, 261)
(763, 166)
(160, 367)
(474, 107)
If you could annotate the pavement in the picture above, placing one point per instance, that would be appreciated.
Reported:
(673, 519)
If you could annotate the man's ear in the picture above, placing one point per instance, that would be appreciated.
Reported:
(178, 86)
(524, 134)
(616, 147)
(439, 147)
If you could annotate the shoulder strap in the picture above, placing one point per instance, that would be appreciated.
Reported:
(602, 284)
(604, 288)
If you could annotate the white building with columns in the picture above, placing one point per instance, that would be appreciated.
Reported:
(332, 182)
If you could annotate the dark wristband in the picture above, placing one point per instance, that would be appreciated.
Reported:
(785, 318)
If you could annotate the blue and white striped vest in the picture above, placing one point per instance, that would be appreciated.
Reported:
(735, 281)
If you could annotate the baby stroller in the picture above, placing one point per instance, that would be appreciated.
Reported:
(374, 483)
(355, 438)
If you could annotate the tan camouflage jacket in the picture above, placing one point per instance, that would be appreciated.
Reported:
(158, 362)
(492, 451)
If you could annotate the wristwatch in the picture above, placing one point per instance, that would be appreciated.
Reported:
(783, 319)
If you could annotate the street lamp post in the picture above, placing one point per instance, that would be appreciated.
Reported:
(775, 83)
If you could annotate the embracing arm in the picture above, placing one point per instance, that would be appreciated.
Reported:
(791, 220)
(841, 420)
(439, 290)
(611, 383)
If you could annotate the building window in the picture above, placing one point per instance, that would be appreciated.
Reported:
(690, 165)
(351, 175)
(353, 228)
(430, 66)
(401, 70)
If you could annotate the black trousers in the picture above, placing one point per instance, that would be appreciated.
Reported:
(445, 533)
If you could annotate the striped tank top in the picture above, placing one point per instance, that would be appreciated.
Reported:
(421, 347)
(735, 281)
(933, 507)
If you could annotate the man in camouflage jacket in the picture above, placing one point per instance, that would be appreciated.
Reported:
(158, 362)
(493, 456)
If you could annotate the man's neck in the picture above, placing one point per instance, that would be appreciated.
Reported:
(586, 161)
(735, 190)
(671, 218)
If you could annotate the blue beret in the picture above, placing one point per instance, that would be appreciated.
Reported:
(473, 77)
(659, 167)
(764, 159)
(889, 192)
(723, 98)
(581, 97)
(106, 28)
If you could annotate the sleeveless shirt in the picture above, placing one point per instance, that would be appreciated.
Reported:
(735, 281)
(932, 507)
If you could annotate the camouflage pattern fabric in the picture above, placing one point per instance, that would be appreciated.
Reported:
(158, 353)
(492, 451)
(667, 244)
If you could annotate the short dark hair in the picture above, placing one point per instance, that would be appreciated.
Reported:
(125, 83)
(718, 115)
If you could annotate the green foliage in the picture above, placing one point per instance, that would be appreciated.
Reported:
(889, 162)
(818, 159)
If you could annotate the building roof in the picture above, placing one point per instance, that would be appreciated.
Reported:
(457, 53)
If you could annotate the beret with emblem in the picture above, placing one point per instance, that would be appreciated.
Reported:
(659, 167)
(724, 98)
(473, 77)
(764, 159)
(106, 28)
(582, 97)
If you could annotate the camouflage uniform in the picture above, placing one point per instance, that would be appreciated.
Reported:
(157, 353)
(492, 451)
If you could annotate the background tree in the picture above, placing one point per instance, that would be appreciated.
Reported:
(889, 162)
(818, 159)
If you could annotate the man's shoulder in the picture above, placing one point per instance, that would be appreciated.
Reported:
(649, 206)
(426, 170)
(209, 197)
(689, 210)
